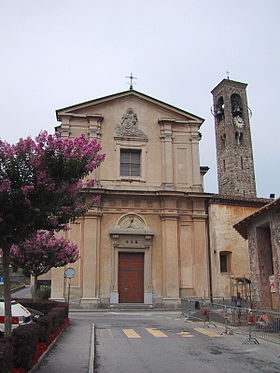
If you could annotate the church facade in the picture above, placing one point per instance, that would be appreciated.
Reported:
(155, 236)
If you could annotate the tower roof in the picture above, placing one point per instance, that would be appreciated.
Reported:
(228, 82)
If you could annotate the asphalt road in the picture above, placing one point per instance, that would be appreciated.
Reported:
(159, 342)
(22, 293)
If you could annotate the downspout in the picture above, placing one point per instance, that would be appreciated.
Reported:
(209, 253)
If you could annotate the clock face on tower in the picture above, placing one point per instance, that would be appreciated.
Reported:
(238, 121)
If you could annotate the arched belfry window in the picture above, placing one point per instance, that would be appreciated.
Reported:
(223, 140)
(238, 138)
(220, 109)
(236, 107)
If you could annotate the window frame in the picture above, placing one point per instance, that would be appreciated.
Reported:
(127, 145)
(133, 164)
(227, 257)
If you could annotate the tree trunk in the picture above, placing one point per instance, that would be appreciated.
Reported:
(7, 291)
(34, 287)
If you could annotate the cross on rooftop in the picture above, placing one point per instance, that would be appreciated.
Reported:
(131, 77)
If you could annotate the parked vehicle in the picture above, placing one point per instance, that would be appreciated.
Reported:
(20, 315)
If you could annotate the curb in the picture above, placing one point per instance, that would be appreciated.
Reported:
(100, 310)
(92, 350)
(20, 287)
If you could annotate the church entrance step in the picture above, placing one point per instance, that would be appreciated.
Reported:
(131, 306)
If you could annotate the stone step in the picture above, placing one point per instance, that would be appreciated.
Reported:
(130, 306)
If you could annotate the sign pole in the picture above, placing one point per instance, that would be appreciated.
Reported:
(69, 273)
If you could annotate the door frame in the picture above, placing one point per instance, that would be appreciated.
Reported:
(131, 270)
(131, 234)
(148, 295)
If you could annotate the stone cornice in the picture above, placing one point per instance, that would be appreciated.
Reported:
(175, 121)
(81, 116)
(93, 214)
(157, 193)
(235, 200)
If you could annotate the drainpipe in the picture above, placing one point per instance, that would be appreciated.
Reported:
(209, 253)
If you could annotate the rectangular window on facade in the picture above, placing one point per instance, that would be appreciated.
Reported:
(225, 257)
(130, 162)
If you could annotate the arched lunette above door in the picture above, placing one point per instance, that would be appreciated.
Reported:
(132, 224)
(131, 231)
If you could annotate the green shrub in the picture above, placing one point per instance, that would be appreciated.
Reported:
(44, 292)
(44, 306)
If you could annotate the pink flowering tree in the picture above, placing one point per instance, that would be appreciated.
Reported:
(42, 252)
(42, 188)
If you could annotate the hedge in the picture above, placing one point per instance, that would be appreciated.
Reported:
(6, 355)
(44, 306)
(20, 352)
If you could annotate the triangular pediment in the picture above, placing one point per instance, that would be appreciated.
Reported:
(170, 111)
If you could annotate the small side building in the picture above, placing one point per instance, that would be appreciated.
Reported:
(228, 253)
(262, 230)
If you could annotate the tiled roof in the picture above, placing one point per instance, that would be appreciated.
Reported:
(241, 226)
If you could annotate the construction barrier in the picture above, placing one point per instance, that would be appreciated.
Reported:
(250, 339)
(254, 323)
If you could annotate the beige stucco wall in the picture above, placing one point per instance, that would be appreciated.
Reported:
(223, 237)
(169, 156)
(169, 161)
(177, 253)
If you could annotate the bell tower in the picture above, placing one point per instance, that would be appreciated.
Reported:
(236, 176)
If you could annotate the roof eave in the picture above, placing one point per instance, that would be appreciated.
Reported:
(127, 93)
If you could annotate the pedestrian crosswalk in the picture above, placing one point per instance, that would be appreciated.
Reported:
(155, 333)
(185, 334)
(131, 333)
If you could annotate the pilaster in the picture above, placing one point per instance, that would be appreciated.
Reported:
(90, 279)
(195, 138)
(170, 260)
(94, 131)
(167, 155)
(201, 260)
(186, 257)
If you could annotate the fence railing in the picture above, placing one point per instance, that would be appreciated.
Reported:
(259, 323)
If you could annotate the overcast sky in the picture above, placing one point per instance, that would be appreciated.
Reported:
(57, 53)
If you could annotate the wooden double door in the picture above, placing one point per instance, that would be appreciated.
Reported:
(131, 277)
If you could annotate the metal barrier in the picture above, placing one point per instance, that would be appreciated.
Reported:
(254, 323)
(190, 307)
